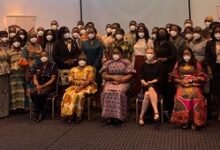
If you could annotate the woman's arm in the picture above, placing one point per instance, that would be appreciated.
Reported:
(108, 77)
(51, 81)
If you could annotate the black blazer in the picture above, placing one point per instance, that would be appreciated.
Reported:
(210, 54)
(62, 54)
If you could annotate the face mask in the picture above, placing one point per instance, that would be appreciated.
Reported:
(4, 39)
(12, 34)
(132, 28)
(187, 58)
(141, 34)
(44, 59)
(154, 36)
(149, 56)
(189, 36)
(113, 31)
(40, 33)
(79, 26)
(196, 36)
(217, 36)
(83, 32)
(119, 36)
(82, 63)
(91, 36)
(187, 25)
(16, 44)
(66, 35)
(76, 35)
(22, 36)
(54, 27)
(49, 37)
(33, 40)
(109, 30)
(116, 56)
(173, 33)
(207, 24)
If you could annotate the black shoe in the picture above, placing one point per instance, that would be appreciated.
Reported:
(185, 126)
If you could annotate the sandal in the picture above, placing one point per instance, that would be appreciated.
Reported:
(141, 121)
(156, 117)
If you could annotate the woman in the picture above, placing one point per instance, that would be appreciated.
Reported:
(23, 35)
(212, 60)
(76, 36)
(17, 76)
(40, 36)
(189, 103)
(119, 41)
(93, 49)
(4, 41)
(143, 42)
(4, 82)
(44, 80)
(188, 34)
(151, 76)
(50, 39)
(117, 73)
(82, 82)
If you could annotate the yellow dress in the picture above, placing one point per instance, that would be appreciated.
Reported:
(73, 100)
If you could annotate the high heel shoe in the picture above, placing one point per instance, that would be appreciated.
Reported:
(156, 117)
(141, 121)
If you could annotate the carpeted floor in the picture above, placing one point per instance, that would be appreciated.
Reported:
(17, 132)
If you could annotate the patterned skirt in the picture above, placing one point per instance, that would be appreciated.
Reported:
(4, 95)
(17, 84)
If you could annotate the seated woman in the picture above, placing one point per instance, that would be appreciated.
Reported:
(189, 103)
(44, 80)
(151, 75)
(82, 80)
(117, 73)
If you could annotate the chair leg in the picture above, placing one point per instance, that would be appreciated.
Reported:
(53, 100)
(161, 108)
(88, 105)
(30, 114)
(137, 110)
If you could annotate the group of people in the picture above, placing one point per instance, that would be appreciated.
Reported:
(183, 66)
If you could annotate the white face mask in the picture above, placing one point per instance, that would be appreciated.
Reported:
(173, 33)
(186, 58)
(108, 30)
(40, 33)
(4, 39)
(150, 56)
(83, 32)
(116, 56)
(79, 26)
(22, 36)
(196, 36)
(16, 44)
(82, 63)
(141, 34)
(207, 24)
(76, 35)
(33, 40)
(132, 28)
(217, 36)
(44, 59)
(113, 31)
(54, 27)
(154, 36)
(66, 35)
(189, 36)
(119, 36)
(91, 36)
(49, 37)
(12, 34)
(187, 25)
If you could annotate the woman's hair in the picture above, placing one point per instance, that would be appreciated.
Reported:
(61, 32)
(25, 35)
(167, 36)
(45, 35)
(118, 48)
(213, 31)
(192, 61)
(146, 33)
(15, 38)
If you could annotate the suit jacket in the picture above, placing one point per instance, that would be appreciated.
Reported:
(210, 54)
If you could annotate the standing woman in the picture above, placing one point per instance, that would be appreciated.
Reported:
(4, 41)
(212, 60)
(17, 76)
(24, 38)
(188, 34)
(143, 42)
(4, 82)
(50, 39)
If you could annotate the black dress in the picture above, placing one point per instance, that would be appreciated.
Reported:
(150, 72)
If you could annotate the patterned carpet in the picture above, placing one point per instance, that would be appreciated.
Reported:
(19, 133)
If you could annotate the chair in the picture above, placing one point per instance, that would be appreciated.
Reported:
(140, 99)
(52, 96)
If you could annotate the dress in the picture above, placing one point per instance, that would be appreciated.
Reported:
(4, 82)
(113, 97)
(189, 103)
(73, 101)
